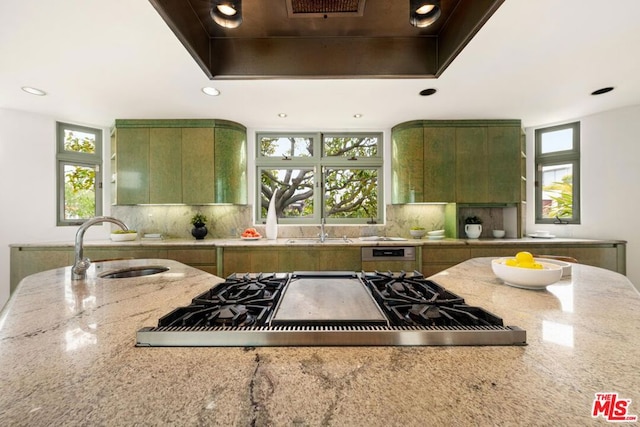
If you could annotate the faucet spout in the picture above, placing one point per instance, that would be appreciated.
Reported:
(81, 264)
(323, 236)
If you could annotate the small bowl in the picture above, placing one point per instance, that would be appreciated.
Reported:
(123, 237)
(417, 234)
(498, 234)
(527, 278)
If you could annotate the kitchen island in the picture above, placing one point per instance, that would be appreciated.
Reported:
(68, 356)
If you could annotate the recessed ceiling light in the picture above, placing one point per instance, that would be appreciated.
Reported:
(357, 116)
(282, 115)
(34, 91)
(601, 91)
(211, 91)
(428, 92)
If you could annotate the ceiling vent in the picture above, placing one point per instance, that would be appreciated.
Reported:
(324, 8)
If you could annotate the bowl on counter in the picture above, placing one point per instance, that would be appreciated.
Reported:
(417, 233)
(527, 278)
(436, 233)
(123, 236)
(498, 234)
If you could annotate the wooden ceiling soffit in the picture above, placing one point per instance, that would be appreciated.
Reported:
(364, 53)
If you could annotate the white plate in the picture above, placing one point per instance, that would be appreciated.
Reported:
(251, 238)
(542, 236)
(436, 237)
(436, 233)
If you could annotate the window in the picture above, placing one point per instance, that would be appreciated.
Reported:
(558, 174)
(333, 176)
(79, 173)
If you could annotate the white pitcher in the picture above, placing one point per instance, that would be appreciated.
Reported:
(473, 230)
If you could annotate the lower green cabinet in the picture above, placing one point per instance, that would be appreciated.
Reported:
(269, 259)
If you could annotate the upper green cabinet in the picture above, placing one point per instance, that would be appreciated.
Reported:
(179, 161)
(463, 161)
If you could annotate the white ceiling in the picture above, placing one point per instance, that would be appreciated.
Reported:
(535, 60)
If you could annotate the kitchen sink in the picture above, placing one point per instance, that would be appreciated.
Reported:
(146, 270)
(328, 240)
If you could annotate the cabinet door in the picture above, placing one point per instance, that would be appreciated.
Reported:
(439, 166)
(472, 165)
(197, 165)
(407, 159)
(504, 164)
(230, 166)
(343, 258)
(165, 176)
(132, 163)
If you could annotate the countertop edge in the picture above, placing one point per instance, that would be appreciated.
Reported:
(229, 242)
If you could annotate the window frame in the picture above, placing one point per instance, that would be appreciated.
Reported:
(64, 158)
(319, 162)
(570, 156)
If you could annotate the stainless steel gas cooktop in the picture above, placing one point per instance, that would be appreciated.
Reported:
(320, 308)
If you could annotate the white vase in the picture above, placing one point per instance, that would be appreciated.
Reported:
(272, 219)
(473, 231)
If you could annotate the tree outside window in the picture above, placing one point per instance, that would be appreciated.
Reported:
(343, 185)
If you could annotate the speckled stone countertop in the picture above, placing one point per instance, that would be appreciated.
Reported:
(68, 357)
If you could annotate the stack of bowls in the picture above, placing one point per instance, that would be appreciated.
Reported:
(436, 235)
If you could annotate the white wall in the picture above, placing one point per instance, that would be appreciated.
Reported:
(609, 178)
(28, 187)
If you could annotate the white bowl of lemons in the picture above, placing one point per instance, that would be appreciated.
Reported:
(523, 271)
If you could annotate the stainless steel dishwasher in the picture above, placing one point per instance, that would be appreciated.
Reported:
(389, 258)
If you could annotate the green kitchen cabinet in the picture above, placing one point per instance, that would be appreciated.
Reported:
(180, 161)
(463, 161)
(488, 164)
(423, 164)
(230, 165)
(198, 151)
(287, 258)
(439, 164)
(132, 166)
(407, 160)
(165, 153)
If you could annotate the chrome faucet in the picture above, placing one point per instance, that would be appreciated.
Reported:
(81, 264)
(323, 235)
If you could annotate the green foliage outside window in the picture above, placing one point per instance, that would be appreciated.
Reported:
(561, 194)
(347, 191)
(79, 188)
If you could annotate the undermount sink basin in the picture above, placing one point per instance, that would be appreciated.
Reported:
(304, 241)
(146, 270)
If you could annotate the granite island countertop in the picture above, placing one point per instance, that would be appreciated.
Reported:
(68, 357)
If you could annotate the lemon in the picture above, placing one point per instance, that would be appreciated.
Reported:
(511, 262)
(524, 257)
